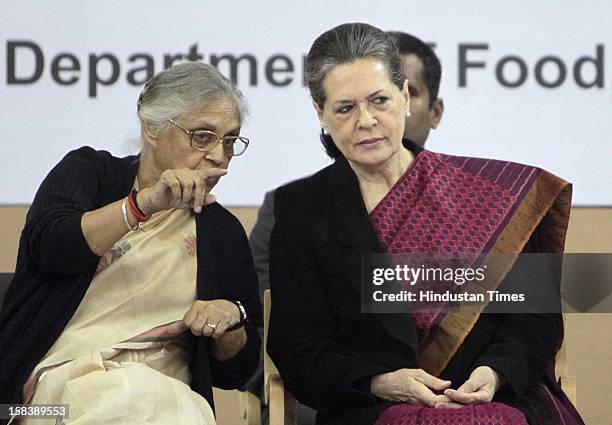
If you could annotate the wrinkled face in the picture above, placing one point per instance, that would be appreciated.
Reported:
(364, 112)
(423, 118)
(172, 149)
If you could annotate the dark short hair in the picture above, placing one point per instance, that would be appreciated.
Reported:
(347, 43)
(432, 70)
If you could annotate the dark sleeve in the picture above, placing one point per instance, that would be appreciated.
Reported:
(317, 370)
(52, 238)
(525, 344)
(240, 283)
(260, 242)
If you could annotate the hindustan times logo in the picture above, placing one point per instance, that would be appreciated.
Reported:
(27, 63)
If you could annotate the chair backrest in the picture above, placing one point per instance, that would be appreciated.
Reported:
(269, 368)
(282, 405)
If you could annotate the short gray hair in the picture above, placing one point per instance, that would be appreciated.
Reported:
(183, 88)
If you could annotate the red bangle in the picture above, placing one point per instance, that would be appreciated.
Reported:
(134, 209)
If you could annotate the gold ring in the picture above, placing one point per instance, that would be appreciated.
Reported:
(211, 325)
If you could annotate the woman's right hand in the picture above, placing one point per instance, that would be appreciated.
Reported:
(413, 386)
(184, 188)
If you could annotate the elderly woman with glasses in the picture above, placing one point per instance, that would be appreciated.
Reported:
(134, 291)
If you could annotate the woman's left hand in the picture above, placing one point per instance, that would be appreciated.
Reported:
(479, 388)
(211, 318)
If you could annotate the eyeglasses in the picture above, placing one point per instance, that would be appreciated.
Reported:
(205, 140)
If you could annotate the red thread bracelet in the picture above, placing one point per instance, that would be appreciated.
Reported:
(134, 209)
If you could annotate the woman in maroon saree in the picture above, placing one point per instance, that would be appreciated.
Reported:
(385, 195)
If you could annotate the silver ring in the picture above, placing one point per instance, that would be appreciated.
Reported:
(211, 325)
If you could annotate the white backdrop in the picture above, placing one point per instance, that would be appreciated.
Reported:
(566, 129)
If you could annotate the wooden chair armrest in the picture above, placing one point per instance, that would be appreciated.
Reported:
(250, 406)
(283, 407)
(269, 367)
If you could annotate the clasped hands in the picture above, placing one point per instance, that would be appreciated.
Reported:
(415, 386)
